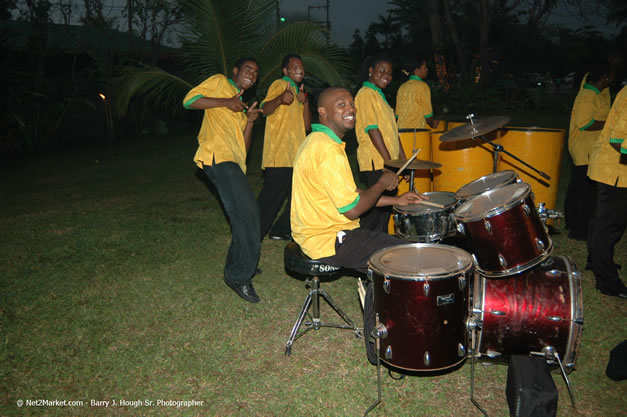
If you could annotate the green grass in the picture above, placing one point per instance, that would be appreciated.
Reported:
(112, 288)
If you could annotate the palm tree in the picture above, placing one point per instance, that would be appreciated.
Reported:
(217, 33)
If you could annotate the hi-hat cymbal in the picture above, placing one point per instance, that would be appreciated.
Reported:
(472, 130)
(415, 164)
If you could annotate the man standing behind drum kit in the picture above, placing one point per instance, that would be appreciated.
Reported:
(326, 203)
(608, 169)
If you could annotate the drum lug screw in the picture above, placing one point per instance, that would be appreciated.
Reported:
(388, 353)
(460, 228)
(381, 332)
(386, 285)
(487, 226)
(426, 287)
(502, 261)
(427, 358)
(526, 210)
(539, 244)
(461, 350)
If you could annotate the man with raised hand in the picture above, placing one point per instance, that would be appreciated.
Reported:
(223, 142)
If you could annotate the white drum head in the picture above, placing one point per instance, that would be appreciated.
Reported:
(486, 183)
(492, 202)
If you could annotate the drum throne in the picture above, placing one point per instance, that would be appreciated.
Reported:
(300, 264)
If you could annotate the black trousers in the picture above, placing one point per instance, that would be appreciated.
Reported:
(377, 218)
(277, 186)
(357, 247)
(608, 226)
(579, 203)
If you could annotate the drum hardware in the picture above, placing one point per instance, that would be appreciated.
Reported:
(425, 289)
(502, 261)
(377, 347)
(545, 213)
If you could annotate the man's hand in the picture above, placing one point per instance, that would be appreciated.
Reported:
(410, 198)
(302, 96)
(253, 112)
(389, 180)
(287, 96)
(235, 104)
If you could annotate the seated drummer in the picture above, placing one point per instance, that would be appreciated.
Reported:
(326, 203)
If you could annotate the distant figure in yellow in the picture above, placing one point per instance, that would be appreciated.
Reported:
(413, 99)
(588, 116)
(377, 135)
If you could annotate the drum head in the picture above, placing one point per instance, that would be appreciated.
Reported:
(420, 261)
(486, 183)
(443, 198)
(492, 202)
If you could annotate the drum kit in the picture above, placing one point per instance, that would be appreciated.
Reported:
(494, 292)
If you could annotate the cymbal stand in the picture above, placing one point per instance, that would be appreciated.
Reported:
(377, 336)
(473, 359)
(499, 148)
(550, 353)
(412, 188)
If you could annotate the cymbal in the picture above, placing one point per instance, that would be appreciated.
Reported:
(478, 128)
(415, 164)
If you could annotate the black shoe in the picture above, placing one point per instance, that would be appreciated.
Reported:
(247, 292)
(279, 236)
(258, 271)
(622, 293)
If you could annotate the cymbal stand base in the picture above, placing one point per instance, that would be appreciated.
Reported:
(378, 401)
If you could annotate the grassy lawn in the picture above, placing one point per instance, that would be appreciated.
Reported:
(112, 289)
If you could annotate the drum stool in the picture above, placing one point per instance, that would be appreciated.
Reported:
(296, 261)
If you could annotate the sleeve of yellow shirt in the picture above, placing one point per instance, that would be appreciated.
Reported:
(276, 88)
(338, 181)
(428, 109)
(584, 113)
(208, 88)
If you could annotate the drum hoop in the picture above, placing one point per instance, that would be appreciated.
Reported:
(494, 211)
(520, 268)
(576, 305)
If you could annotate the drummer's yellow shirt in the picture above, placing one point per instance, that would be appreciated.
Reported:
(285, 127)
(605, 163)
(413, 104)
(374, 112)
(590, 105)
(221, 136)
(323, 189)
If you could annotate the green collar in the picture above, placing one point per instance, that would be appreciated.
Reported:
(377, 89)
(289, 80)
(591, 87)
(233, 84)
(327, 130)
(415, 77)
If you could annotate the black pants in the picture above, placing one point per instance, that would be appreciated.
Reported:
(607, 228)
(579, 203)
(277, 186)
(357, 247)
(377, 218)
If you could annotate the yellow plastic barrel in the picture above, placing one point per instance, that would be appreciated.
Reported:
(411, 140)
(541, 148)
(462, 161)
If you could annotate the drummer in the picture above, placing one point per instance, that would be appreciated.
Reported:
(377, 134)
(326, 203)
(413, 99)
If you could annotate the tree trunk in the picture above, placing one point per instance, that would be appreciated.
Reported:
(437, 38)
(463, 62)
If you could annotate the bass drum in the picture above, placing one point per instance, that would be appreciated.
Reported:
(420, 293)
(538, 311)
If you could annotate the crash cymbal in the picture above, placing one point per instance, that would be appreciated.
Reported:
(472, 130)
(415, 164)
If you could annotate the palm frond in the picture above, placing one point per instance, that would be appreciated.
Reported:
(153, 83)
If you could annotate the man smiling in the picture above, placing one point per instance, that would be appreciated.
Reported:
(326, 203)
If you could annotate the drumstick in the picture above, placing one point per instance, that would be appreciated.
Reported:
(407, 163)
(429, 203)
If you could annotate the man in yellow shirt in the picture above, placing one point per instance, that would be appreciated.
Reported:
(223, 142)
(288, 119)
(326, 203)
(413, 99)
(608, 169)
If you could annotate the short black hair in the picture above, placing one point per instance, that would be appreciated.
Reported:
(286, 59)
(598, 69)
(412, 64)
(240, 62)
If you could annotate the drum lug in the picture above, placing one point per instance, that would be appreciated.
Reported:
(369, 274)
(492, 354)
(381, 332)
(462, 282)
(460, 228)
(426, 287)
(554, 318)
(502, 261)
(526, 210)
(386, 284)
(474, 259)
(427, 358)
(487, 225)
(461, 350)
(497, 313)
(553, 273)
(539, 244)
(388, 353)
(579, 321)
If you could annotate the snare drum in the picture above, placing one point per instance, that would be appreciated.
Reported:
(538, 312)
(504, 231)
(420, 295)
(422, 223)
(486, 183)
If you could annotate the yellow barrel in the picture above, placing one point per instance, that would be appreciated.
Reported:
(412, 140)
(462, 161)
(542, 149)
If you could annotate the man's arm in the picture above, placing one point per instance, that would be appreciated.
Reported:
(377, 140)
(286, 97)
(233, 103)
(252, 114)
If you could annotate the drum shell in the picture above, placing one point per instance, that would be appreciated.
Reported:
(515, 235)
(462, 161)
(541, 148)
(424, 317)
(429, 225)
(539, 308)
